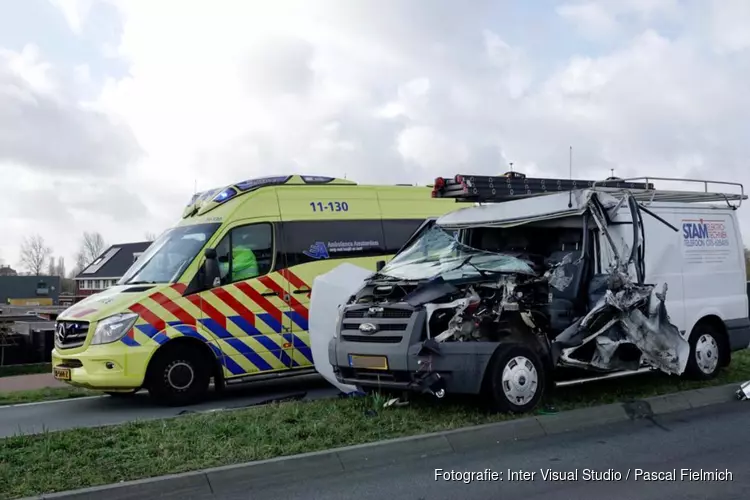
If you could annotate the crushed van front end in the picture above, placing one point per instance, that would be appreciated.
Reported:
(381, 346)
(433, 336)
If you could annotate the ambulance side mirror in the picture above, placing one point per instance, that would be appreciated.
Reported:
(379, 265)
(212, 274)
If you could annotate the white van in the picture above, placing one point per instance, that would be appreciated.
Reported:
(613, 277)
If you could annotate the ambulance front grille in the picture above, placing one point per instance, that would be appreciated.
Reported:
(70, 334)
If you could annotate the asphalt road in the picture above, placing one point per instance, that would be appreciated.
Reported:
(106, 410)
(712, 438)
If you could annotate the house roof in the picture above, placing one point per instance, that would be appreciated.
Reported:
(114, 262)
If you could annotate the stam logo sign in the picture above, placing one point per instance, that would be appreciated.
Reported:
(701, 233)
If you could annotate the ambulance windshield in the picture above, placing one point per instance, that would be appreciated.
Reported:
(168, 257)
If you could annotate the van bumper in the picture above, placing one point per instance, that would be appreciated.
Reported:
(738, 331)
(104, 368)
(460, 366)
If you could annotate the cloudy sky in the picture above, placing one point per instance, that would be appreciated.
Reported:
(112, 110)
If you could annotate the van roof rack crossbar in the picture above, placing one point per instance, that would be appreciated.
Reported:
(514, 186)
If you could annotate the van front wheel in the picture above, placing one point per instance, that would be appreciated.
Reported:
(516, 380)
(178, 375)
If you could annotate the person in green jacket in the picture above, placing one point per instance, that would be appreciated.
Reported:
(244, 245)
(244, 263)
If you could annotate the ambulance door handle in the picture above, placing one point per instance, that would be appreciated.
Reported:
(268, 293)
(302, 290)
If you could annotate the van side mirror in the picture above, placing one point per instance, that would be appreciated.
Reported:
(379, 265)
(212, 275)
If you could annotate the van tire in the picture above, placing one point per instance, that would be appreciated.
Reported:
(178, 375)
(706, 346)
(515, 369)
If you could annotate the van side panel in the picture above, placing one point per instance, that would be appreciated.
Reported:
(662, 244)
(712, 262)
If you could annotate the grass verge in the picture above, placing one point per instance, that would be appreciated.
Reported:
(25, 369)
(38, 395)
(57, 461)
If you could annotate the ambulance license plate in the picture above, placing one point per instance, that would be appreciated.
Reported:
(368, 362)
(62, 373)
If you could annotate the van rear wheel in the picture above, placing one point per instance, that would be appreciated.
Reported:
(705, 353)
(516, 379)
(179, 375)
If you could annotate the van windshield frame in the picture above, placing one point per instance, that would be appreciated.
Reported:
(438, 251)
(170, 254)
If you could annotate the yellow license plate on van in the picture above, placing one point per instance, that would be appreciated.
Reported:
(62, 373)
(368, 362)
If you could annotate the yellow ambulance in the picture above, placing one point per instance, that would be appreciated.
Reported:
(224, 294)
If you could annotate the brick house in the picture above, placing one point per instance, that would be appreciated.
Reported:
(108, 268)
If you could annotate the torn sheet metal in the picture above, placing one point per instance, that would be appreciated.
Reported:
(556, 276)
(632, 316)
(456, 323)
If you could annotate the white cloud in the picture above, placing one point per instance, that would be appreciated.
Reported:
(606, 19)
(75, 11)
(431, 149)
(380, 91)
(729, 26)
(591, 18)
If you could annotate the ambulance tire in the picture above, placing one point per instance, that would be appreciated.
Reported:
(515, 379)
(178, 375)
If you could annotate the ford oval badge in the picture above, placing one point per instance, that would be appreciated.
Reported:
(368, 328)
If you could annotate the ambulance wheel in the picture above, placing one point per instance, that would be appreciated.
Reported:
(515, 379)
(178, 375)
(705, 352)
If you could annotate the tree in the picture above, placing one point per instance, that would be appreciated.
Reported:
(51, 268)
(92, 246)
(150, 236)
(60, 268)
(34, 254)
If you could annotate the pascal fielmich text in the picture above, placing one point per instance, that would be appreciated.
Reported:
(583, 475)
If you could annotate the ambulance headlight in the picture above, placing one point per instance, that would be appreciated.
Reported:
(113, 328)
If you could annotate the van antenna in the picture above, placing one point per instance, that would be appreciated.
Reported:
(195, 186)
(570, 175)
(511, 167)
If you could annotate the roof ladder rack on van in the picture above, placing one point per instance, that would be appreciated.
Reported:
(515, 185)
